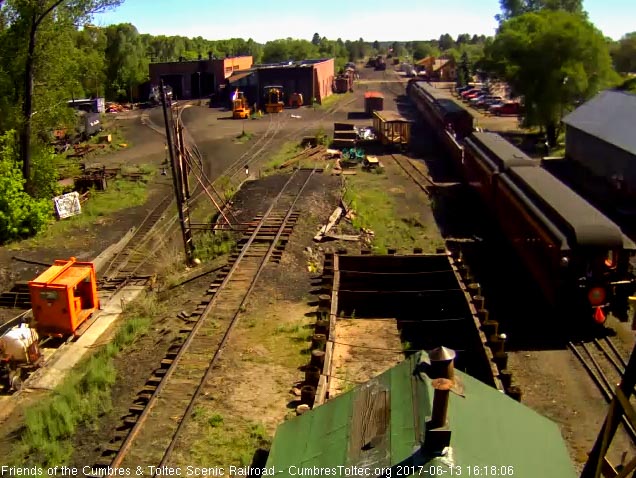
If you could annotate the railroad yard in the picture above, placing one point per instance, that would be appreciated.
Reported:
(220, 354)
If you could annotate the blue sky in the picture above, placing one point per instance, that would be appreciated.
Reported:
(381, 20)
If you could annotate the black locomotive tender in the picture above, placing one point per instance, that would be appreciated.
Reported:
(579, 258)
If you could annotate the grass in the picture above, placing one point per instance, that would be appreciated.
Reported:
(333, 99)
(286, 152)
(375, 208)
(120, 195)
(225, 187)
(224, 441)
(83, 396)
(209, 246)
(244, 137)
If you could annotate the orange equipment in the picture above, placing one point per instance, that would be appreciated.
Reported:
(274, 99)
(63, 297)
(296, 100)
(240, 108)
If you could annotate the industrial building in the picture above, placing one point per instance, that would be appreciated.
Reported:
(599, 137)
(310, 78)
(197, 78)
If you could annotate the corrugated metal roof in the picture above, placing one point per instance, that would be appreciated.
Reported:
(381, 424)
(610, 116)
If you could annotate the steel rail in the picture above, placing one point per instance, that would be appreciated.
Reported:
(134, 431)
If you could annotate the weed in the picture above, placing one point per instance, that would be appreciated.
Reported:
(224, 184)
(375, 208)
(244, 137)
(215, 420)
(80, 399)
(209, 246)
(286, 152)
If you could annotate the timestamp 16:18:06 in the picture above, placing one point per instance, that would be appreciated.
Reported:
(457, 470)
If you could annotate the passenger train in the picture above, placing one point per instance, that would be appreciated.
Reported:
(579, 258)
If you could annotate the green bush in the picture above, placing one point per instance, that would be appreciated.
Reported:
(20, 214)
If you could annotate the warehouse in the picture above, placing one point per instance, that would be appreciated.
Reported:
(599, 136)
(197, 78)
(311, 78)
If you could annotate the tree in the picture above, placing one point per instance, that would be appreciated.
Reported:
(514, 8)
(28, 17)
(20, 214)
(463, 71)
(624, 53)
(316, 39)
(127, 64)
(446, 41)
(376, 45)
(553, 59)
(462, 38)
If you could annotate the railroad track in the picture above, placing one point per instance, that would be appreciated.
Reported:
(422, 180)
(605, 366)
(160, 412)
(127, 267)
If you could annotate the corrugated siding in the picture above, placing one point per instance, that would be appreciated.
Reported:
(601, 158)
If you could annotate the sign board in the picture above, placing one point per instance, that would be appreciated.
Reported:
(67, 205)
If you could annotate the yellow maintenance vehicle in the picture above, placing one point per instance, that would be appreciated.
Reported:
(274, 99)
(240, 108)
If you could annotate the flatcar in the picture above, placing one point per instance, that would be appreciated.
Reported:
(579, 258)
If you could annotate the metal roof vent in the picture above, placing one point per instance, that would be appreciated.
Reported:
(438, 434)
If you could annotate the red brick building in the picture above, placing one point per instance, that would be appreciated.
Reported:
(197, 78)
(311, 78)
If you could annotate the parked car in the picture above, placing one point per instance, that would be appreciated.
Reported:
(475, 99)
(488, 100)
(467, 92)
(508, 108)
(474, 94)
(461, 89)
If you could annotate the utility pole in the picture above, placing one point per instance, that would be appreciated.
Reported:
(177, 172)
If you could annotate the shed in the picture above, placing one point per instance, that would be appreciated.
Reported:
(600, 137)
(381, 426)
(63, 297)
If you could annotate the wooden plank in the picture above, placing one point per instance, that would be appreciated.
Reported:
(333, 314)
(343, 237)
(333, 219)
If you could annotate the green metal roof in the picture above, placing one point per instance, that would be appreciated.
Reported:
(381, 425)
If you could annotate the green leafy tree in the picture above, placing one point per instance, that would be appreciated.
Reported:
(553, 59)
(446, 42)
(514, 8)
(462, 38)
(376, 45)
(27, 18)
(127, 64)
(423, 49)
(316, 39)
(624, 53)
(20, 214)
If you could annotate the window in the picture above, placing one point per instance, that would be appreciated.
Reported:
(228, 69)
(610, 260)
(236, 67)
